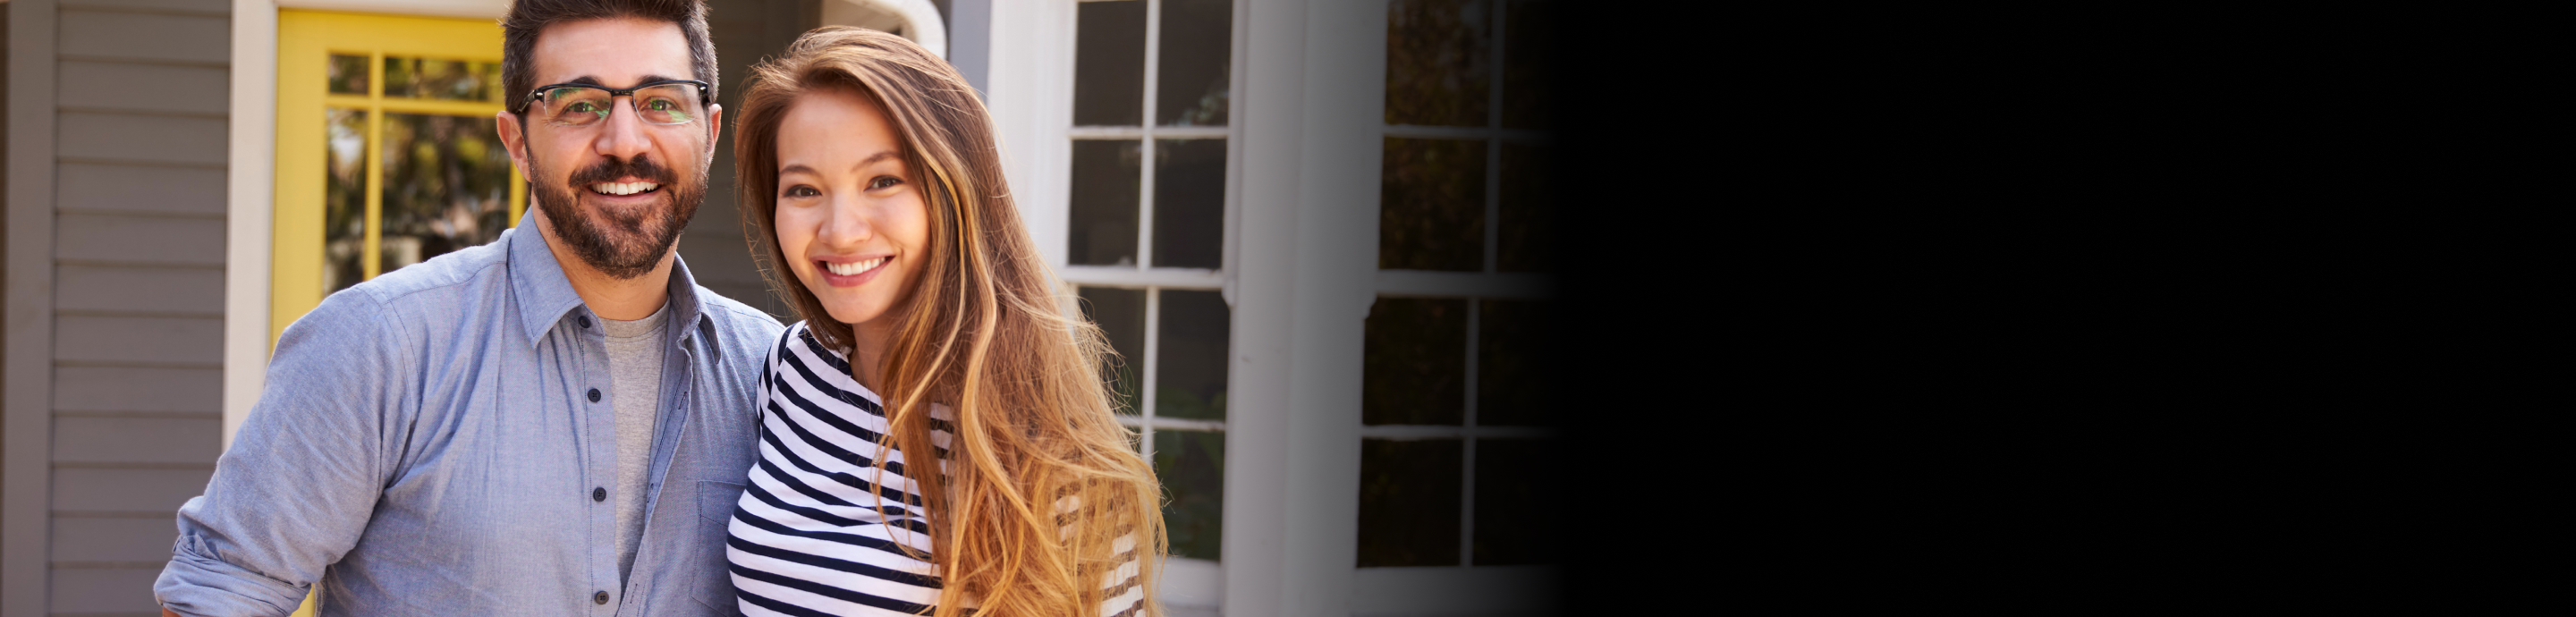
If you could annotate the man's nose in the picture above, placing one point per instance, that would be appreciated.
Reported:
(624, 137)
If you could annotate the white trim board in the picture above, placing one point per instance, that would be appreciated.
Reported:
(491, 9)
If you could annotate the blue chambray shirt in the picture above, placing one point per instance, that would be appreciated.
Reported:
(429, 439)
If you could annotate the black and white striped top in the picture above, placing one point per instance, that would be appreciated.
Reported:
(812, 535)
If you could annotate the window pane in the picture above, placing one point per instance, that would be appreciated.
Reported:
(401, 76)
(1438, 54)
(1511, 526)
(1409, 502)
(1191, 465)
(1109, 64)
(1198, 53)
(1528, 49)
(1189, 203)
(1190, 370)
(1431, 205)
(1527, 210)
(1105, 177)
(446, 186)
(1414, 367)
(348, 74)
(344, 198)
(1511, 387)
(1121, 316)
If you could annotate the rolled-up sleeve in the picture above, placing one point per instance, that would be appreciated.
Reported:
(296, 488)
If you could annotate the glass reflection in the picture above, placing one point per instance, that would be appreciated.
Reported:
(447, 80)
(1527, 51)
(1414, 362)
(1189, 203)
(1197, 56)
(1190, 368)
(1527, 210)
(446, 186)
(1438, 59)
(1191, 466)
(1120, 313)
(1431, 205)
(348, 74)
(1509, 475)
(1511, 388)
(1409, 502)
(1105, 179)
(1109, 63)
(344, 197)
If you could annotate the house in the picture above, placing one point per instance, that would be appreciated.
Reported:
(1312, 227)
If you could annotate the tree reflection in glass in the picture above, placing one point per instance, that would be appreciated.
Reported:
(446, 186)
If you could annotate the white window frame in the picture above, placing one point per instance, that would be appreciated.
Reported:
(1033, 111)
(1443, 589)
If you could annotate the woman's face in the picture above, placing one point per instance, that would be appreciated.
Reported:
(851, 219)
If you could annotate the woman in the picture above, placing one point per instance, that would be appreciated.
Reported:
(932, 331)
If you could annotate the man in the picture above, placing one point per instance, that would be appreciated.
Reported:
(557, 423)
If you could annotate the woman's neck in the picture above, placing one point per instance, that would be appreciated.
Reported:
(867, 349)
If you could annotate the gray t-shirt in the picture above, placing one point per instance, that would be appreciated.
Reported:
(635, 351)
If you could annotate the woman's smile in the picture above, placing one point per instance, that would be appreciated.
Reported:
(851, 273)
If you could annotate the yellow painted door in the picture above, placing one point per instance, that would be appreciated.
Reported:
(386, 154)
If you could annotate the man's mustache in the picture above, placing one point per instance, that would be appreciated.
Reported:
(612, 170)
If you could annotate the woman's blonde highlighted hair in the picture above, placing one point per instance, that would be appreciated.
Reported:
(1041, 479)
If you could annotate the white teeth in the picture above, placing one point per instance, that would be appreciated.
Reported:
(622, 188)
(853, 268)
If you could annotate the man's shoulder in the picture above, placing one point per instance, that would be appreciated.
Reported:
(454, 272)
(738, 326)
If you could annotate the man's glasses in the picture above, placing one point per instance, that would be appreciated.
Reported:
(675, 101)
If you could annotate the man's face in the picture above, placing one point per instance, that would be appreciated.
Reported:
(616, 192)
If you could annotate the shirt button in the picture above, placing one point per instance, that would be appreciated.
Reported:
(594, 395)
(599, 598)
(585, 320)
(599, 494)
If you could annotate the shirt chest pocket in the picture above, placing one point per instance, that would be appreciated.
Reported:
(715, 513)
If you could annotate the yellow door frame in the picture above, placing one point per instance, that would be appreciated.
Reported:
(305, 42)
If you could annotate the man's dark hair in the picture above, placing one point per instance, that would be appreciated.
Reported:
(528, 18)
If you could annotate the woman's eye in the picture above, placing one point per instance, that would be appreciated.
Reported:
(882, 182)
(802, 191)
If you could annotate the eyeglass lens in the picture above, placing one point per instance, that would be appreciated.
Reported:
(584, 106)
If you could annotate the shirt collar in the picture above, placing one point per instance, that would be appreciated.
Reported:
(544, 294)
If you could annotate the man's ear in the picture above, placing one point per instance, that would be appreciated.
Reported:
(715, 126)
(514, 141)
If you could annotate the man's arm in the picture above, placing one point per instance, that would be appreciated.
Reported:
(302, 477)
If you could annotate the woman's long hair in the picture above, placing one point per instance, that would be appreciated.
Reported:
(1041, 479)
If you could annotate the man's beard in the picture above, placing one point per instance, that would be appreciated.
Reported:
(622, 244)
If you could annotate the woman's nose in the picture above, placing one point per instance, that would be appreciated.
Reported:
(848, 222)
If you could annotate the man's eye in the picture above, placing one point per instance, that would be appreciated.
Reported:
(581, 107)
(802, 191)
(660, 105)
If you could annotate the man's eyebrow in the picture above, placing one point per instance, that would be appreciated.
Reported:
(589, 80)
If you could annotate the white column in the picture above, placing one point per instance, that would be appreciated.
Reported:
(249, 204)
(1308, 253)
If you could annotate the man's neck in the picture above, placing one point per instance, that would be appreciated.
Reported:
(610, 297)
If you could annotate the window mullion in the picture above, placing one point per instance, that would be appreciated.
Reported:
(1467, 487)
(1145, 186)
(1145, 380)
(371, 249)
(1494, 151)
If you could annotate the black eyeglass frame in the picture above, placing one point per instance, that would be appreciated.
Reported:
(613, 93)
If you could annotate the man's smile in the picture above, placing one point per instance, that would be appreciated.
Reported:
(624, 188)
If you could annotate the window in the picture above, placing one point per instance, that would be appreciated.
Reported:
(1455, 404)
(1147, 234)
(386, 151)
